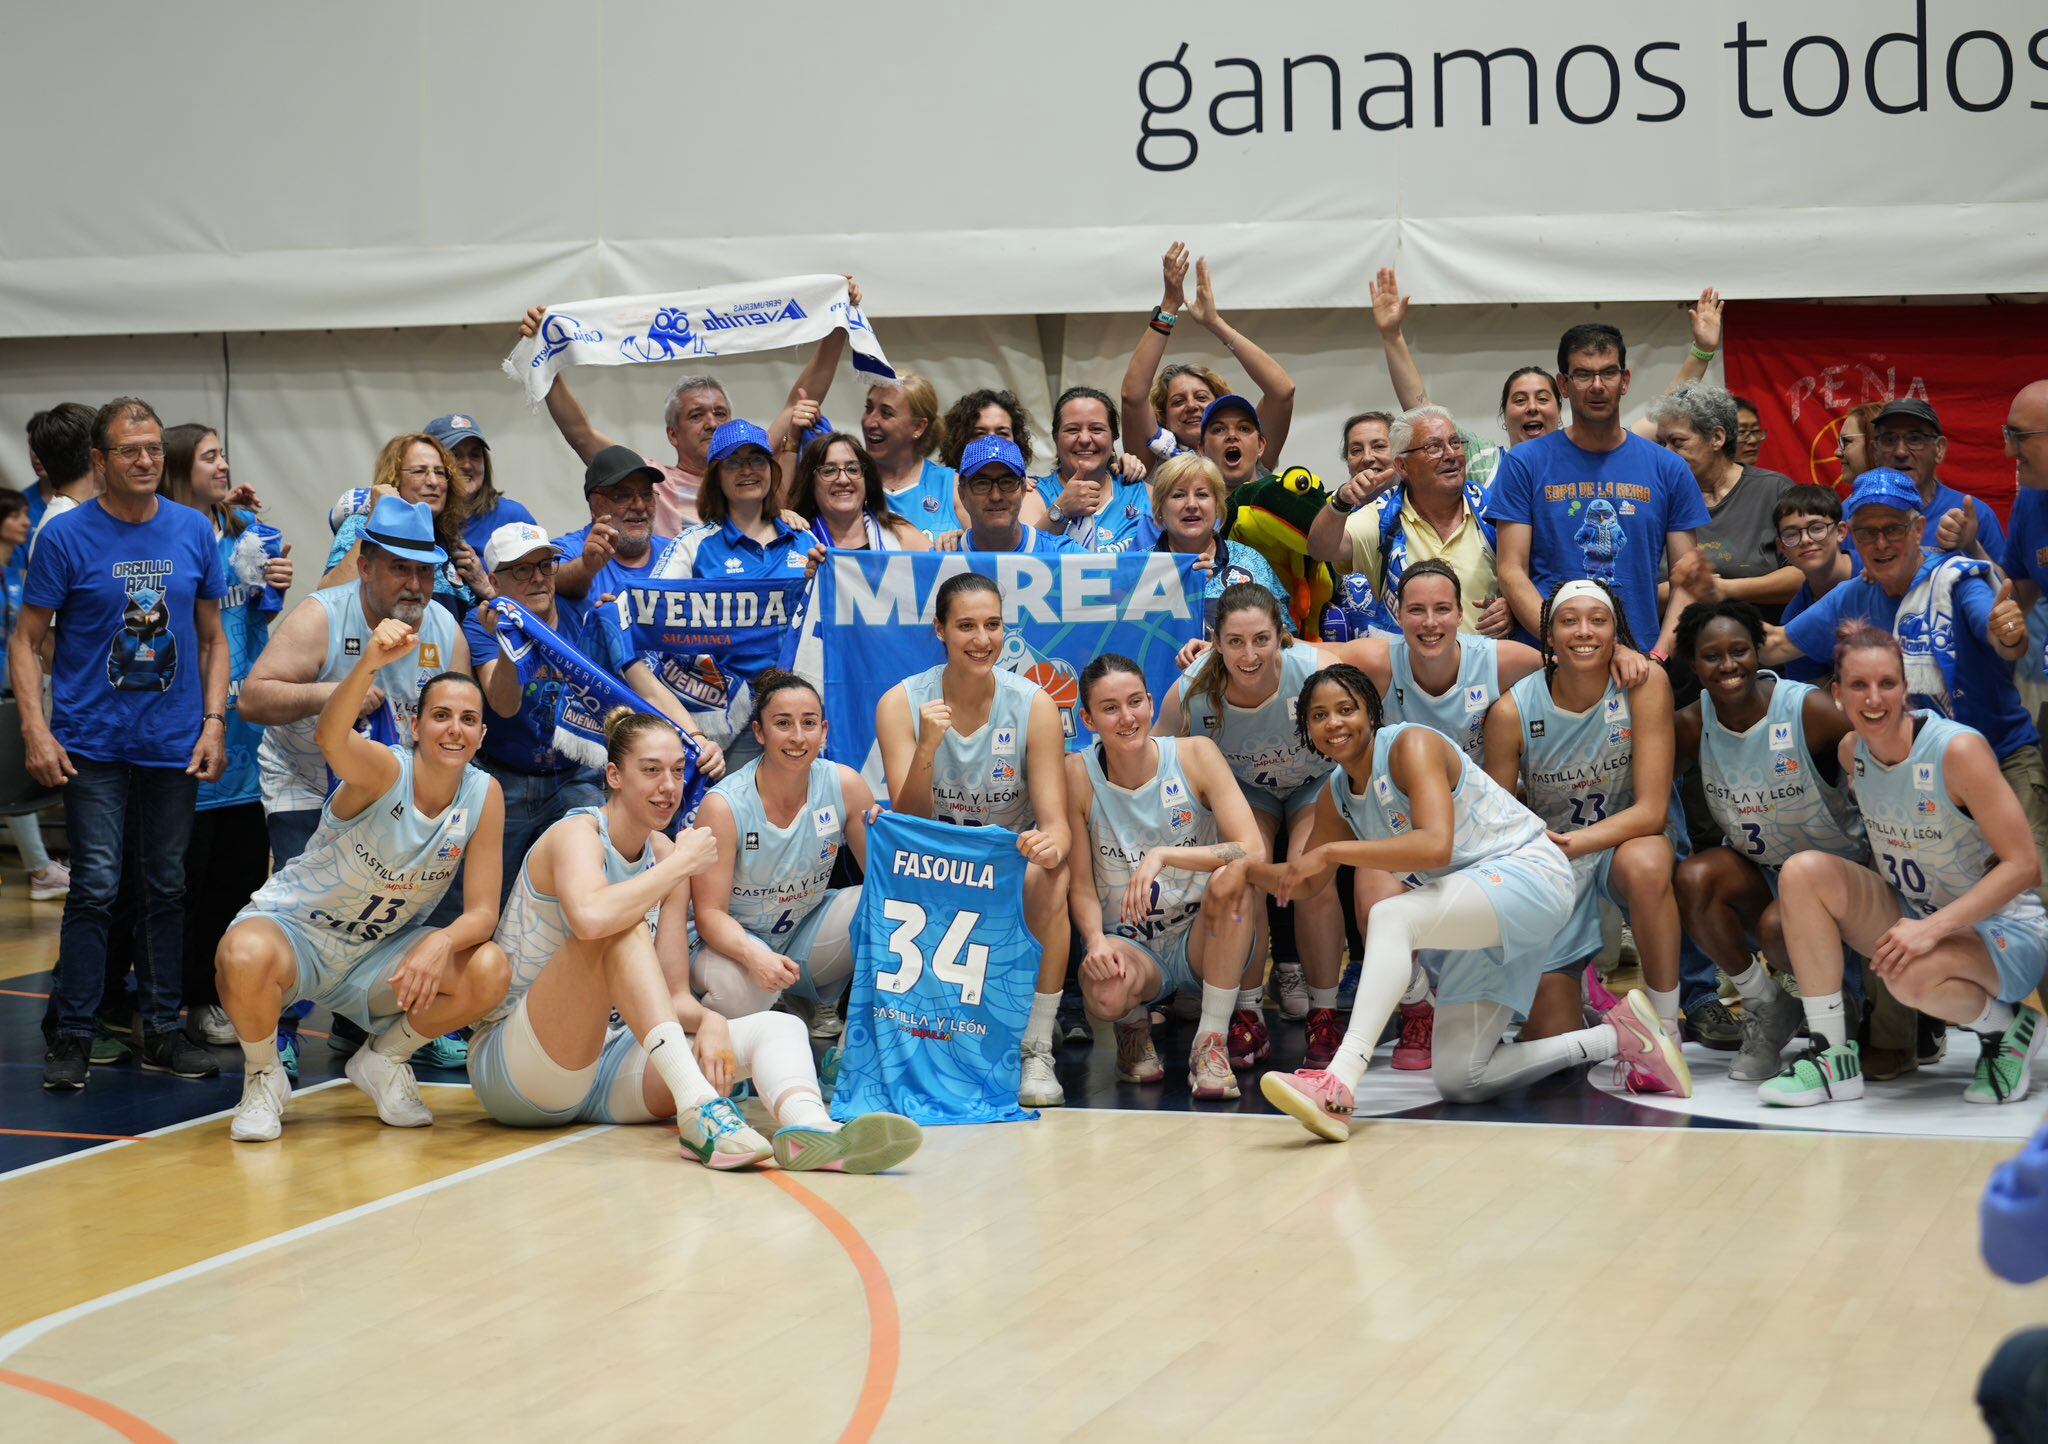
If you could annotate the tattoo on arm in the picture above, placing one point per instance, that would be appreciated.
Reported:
(1226, 851)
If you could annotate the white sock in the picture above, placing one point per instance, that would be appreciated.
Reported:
(259, 1055)
(1216, 1005)
(1045, 1009)
(1322, 998)
(1249, 1000)
(669, 1055)
(399, 1041)
(1995, 1018)
(1418, 987)
(1593, 1045)
(1754, 983)
(802, 1108)
(1826, 1017)
(1665, 1005)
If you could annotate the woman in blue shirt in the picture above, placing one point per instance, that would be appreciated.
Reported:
(1088, 499)
(485, 508)
(1188, 502)
(46, 879)
(418, 468)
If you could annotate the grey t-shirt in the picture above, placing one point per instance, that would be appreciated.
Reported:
(1740, 539)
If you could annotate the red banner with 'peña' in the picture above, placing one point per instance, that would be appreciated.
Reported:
(1805, 367)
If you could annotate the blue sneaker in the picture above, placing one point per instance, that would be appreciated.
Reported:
(1347, 986)
(447, 1051)
(288, 1054)
(828, 1072)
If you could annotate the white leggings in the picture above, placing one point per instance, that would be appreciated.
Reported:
(774, 1049)
(726, 987)
(1470, 1063)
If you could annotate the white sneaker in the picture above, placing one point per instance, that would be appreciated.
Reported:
(717, 1136)
(259, 1117)
(212, 1025)
(1040, 1087)
(1290, 990)
(391, 1087)
(53, 881)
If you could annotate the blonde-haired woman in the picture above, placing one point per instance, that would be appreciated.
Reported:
(900, 424)
(418, 468)
(1189, 502)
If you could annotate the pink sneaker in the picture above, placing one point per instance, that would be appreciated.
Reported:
(1209, 1074)
(1652, 1060)
(1418, 1027)
(1317, 1100)
(1599, 997)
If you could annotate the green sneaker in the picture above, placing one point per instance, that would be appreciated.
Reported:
(2004, 1072)
(108, 1049)
(1819, 1075)
(288, 1054)
(446, 1051)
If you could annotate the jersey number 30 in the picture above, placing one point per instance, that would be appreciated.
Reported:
(946, 962)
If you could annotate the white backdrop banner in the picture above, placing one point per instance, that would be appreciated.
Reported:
(245, 166)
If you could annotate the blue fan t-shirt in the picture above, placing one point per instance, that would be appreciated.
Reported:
(126, 676)
(245, 616)
(477, 530)
(1599, 514)
(525, 741)
(612, 577)
(943, 974)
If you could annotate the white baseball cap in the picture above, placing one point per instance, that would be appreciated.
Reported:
(514, 540)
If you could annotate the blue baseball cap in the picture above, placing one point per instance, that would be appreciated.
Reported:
(1883, 487)
(454, 427)
(405, 529)
(986, 451)
(1231, 401)
(734, 435)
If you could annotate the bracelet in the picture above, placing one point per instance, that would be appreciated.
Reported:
(1699, 355)
(1161, 317)
(1658, 657)
(1337, 505)
(220, 717)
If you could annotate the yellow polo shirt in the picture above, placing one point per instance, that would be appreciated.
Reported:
(1465, 551)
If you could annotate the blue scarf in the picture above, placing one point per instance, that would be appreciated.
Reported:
(588, 695)
(1394, 549)
(706, 641)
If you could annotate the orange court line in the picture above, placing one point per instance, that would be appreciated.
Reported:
(17, 993)
(47, 1133)
(99, 1410)
(885, 1335)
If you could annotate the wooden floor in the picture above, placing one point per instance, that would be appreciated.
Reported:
(1099, 1274)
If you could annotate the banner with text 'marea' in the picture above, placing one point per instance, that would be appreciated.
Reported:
(1059, 614)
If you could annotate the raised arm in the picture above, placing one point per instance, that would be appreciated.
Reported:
(1390, 316)
(366, 768)
(1140, 422)
(598, 909)
(908, 755)
(563, 407)
(1276, 387)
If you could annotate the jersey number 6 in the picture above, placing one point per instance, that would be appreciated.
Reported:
(946, 964)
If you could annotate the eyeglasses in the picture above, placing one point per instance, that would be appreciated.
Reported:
(1438, 450)
(983, 485)
(749, 460)
(154, 450)
(1609, 376)
(1750, 433)
(1792, 536)
(525, 572)
(1912, 440)
(850, 470)
(421, 473)
(1891, 531)
(2014, 436)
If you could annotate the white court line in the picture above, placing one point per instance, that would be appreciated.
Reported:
(14, 1341)
(98, 1148)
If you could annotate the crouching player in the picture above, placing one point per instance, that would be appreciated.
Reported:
(344, 923)
(1170, 837)
(597, 923)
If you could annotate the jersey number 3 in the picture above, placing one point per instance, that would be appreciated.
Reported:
(946, 962)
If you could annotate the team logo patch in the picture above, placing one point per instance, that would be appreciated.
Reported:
(1617, 709)
(1859, 767)
(753, 842)
(1491, 874)
(1781, 736)
(1475, 699)
(1171, 791)
(1536, 728)
(1926, 806)
(1398, 821)
(458, 820)
(1382, 788)
(1181, 818)
(352, 647)
(1923, 776)
(1003, 772)
(931, 503)
(1005, 742)
(825, 820)
(1212, 723)
(430, 655)
(1618, 735)
(1785, 766)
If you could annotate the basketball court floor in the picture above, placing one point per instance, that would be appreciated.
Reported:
(1567, 1264)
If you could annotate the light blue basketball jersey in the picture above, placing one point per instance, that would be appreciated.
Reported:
(1577, 767)
(781, 873)
(1126, 823)
(289, 767)
(944, 969)
(1496, 842)
(1764, 790)
(532, 929)
(377, 873)
(1460, 713)
(978, 779)
(1265, 753)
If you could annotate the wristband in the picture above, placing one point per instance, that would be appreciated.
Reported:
(1658, 657)
(1699, 355)
(1161, 317)
(1337, 505)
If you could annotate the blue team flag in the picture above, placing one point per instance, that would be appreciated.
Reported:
(943, 972)
(1060, 612)
(587, 696)
(706, 641)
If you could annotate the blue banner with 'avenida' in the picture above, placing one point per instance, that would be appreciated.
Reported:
(1059, 614)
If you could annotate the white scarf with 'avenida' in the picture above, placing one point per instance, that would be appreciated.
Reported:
(694, 325)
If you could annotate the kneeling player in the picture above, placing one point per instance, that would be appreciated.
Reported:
(1477, 877)
(767, 918)
(596, 923)
(343, 925)
(1165, 898)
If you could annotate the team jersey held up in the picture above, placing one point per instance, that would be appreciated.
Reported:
(944, 971)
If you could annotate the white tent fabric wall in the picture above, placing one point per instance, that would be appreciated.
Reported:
(309, 410)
